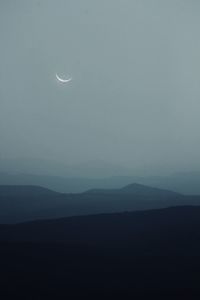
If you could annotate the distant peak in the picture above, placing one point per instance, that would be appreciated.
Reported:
(133, 188)
(140, 188)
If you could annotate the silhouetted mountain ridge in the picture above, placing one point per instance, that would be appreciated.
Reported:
(24, 190)
(134, 189)
(24, 203)
(185, 183)
(137, 188)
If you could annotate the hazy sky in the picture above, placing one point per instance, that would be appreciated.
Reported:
(135, 95)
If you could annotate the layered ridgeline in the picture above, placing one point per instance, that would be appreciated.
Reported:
(184, 183)
(23, 203)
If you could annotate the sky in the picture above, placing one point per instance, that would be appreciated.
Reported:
(135, 95)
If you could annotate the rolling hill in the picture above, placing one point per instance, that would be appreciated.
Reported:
(146, 254)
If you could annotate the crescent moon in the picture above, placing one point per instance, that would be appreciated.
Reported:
(63, 80)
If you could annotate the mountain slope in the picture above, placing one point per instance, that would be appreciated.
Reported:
(168, 225)
(148, 254)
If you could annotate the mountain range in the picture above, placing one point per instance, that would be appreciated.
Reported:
(185, 183)
(23, 203)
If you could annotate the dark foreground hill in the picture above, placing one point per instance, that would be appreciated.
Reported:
(23, 203)
(140, 255)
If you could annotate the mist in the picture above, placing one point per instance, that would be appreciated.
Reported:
(134, 96)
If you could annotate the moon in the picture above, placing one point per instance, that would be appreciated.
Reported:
(63, 80)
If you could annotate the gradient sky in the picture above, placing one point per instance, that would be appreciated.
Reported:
(135, 95)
